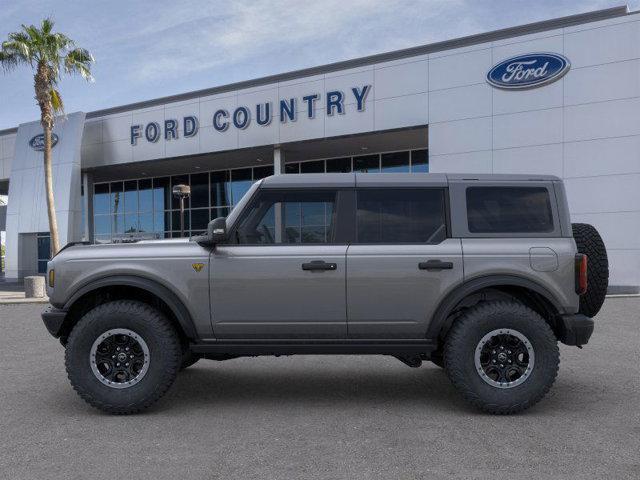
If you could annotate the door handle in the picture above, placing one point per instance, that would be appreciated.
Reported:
(319, 265)
(435, 265)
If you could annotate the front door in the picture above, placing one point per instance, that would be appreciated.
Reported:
(401, 263)
(282, 274)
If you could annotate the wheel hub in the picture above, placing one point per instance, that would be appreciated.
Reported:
(119, 358)
(504, 358)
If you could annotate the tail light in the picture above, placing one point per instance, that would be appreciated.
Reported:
(581, 274)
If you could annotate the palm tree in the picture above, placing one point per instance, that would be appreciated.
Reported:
(47, 53)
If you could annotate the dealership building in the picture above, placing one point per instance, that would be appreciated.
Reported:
(558, 97)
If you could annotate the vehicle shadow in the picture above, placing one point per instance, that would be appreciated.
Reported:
(340, 385)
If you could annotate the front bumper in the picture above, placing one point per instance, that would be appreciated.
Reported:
(53, 319)
(575, 329)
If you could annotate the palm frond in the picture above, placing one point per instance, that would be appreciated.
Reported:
(56, 101)
(79, 60)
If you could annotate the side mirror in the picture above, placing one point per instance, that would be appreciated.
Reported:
(216, 233)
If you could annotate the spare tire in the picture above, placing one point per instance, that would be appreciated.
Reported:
(589, 242)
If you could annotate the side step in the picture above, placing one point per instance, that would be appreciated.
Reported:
(403, 348)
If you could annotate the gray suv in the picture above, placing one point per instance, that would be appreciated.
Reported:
(480, 274)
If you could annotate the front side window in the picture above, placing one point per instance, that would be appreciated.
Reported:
(509, 210)
(401, 215)
(289, 217)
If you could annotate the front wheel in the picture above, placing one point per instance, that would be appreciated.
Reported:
(122, 356)
(502, 357)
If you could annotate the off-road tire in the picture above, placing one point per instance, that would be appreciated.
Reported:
(464, 337)
(589, 242)
(164, 352)
(188, 358)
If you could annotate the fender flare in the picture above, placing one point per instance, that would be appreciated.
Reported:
(469, 287)
(167, 296)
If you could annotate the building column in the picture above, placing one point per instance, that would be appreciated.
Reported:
(87, 206)
(278, 160)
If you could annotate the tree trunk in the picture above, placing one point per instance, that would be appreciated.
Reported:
(48, 179)
(42, 85)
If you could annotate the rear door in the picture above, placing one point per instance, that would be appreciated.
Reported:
(401, 263)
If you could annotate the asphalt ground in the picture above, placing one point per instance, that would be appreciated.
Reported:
(330, 417)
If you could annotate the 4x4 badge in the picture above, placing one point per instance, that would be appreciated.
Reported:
(197, 266)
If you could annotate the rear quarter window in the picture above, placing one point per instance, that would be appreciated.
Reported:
(509, 210)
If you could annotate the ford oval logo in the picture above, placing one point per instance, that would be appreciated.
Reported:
(528, 71)
(37, 142)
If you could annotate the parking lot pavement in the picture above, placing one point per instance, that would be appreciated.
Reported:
(321, 417)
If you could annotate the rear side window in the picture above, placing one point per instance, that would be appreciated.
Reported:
(401, 216)
(509, 210)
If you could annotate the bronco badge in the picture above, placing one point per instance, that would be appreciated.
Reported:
(197, 266)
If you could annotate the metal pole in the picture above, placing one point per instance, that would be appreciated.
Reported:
(181, 216)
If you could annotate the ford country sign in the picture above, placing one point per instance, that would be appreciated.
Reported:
(528, 71)
(37, 142)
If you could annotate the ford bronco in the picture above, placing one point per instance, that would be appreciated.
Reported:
(482, 275)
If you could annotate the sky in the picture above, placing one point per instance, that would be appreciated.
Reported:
(149, 49)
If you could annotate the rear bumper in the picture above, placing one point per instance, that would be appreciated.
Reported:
(53, 319)
(575, 329)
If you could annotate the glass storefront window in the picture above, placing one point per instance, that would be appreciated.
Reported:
(396, 162)
(131, 196)
(145, 208)
(420, 161)
(339, 165)
(292, 168)
(312, 167)
(145, 195)
(367, 164)
(220, 189)
(101, 199)
(117, 190)
(199, 219)
(199, 190)
(241, 180)
(261, 172)
(161, 194)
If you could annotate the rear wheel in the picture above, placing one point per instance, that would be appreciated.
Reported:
(122, 356)
(501, 356)
(589, 242)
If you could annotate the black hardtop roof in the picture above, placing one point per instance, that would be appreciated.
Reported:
(327, 180)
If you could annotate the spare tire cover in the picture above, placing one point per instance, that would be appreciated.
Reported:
(589, 242)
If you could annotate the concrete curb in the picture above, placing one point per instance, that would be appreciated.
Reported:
(18, 301)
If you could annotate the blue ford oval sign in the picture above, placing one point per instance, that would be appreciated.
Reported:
(528, 71)
(37, 142)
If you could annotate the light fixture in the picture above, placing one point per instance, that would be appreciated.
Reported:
(364, 149)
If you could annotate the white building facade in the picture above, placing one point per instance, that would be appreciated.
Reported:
(558, 97)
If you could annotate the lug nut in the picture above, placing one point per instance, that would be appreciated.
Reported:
(117, 364)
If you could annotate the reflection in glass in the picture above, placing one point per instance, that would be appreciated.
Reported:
(130, 196)
(241, 180)
(101, 199)
(312, 167)
(367, 164)
(161, 194)
(396, 162)
(145, 222)
(339, 165)
(102, 225)
(220, 189)
(199, 190)
(116, 197)
(145, 195)
(420, 161)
